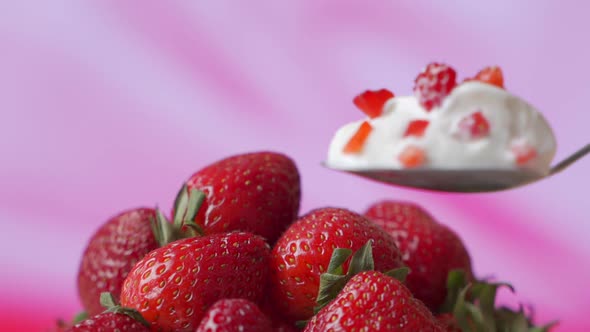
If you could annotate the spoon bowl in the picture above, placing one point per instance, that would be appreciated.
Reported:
(462, 180)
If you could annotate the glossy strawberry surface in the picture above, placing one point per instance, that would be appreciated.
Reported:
(109, 322)
(429, 249)
(304, 252)
(235, 315)
(256, 192)
(173, 286)
(372, 301)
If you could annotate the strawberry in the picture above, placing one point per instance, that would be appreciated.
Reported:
(234, 315)
(279, 323)
(111, 253)
(433, 84)
(303, 253)
(431, 250)
(254, 192)
(372, 102)
(523, 153)
(412, 156)
(491, 75)
(109, 321)
(357, 141)
(373, 301)
(473, 126)
(416, 128)
(173, 286)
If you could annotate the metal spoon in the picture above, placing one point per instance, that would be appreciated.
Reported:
(463, 180)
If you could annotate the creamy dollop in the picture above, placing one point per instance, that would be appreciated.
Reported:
(513, 126)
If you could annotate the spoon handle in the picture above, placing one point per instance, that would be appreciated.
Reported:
(570, 160)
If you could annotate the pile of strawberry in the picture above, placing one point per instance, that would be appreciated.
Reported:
(237, 256)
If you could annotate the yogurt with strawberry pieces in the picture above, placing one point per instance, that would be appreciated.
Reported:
(475, 124)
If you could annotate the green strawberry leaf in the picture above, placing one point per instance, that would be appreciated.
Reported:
(400, 273)
(195, 201)
(339, 256)
(79, 317)
(456, 282)
(474, 309)
(110, 303)
(334, 279)
(186, 208)
(187, 205)
(180, 205)
(362, 260)
(163, 230)
(330, 286)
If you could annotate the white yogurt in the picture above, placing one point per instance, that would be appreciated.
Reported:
(512, 122)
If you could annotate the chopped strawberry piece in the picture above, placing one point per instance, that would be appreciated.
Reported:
(491, 75)
(433, 84)
(416, 128)
(357, 141)
(473, 126)
(412, 156)
(372, 102)
(523, 153)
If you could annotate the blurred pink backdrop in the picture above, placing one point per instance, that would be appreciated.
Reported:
(108, 105)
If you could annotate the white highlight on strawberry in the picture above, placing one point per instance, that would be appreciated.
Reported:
(511, 120)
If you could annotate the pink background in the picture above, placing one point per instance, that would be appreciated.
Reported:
(108, 105)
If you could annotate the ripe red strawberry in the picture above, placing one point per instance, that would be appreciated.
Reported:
(473, 126)
(109, 321)
(431, 250)
(412, 156)
(372, 102)
(373, 301)
(279, 323)
(416, 128)
(433, 84)
(357, 141)
(111, 253)
(173, 286)
(234, 315)
(491, 75)
(304, 251)
(255, 192)
(523, 152)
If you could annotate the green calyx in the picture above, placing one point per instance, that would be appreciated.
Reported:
(334, 279)
(108, 301)
(474, 309)
(80, 317)
(186, 207)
